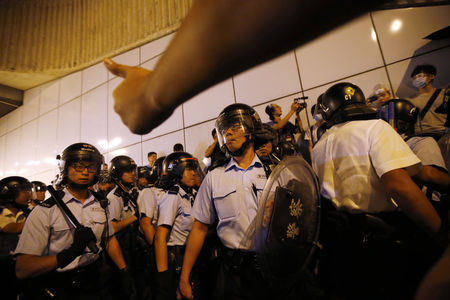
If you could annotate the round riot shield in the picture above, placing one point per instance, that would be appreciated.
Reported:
(286, 228)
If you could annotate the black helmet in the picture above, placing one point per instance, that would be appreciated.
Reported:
(10, 188)
(401, 114)
(143, 172)
(174, 165)
(345, 102)
(119, 165)
(79, 152)
(238, 113)
(39, 186)
(286, 148)
(264, 135)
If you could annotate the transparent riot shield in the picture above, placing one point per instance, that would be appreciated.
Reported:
(285, 230)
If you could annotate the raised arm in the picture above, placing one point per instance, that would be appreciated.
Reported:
(220, 38)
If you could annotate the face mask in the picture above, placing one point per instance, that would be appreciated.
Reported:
(318, 117)
(420, 82)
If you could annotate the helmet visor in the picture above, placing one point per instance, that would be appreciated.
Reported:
(232, 127)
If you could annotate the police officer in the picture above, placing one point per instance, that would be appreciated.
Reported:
(266, 147)
(148, 201)
(15, 194)
(38, 193)
(230, 193)
(143, 176)
(125, 220)
(175, 221)
(51, 245)
(361, 163)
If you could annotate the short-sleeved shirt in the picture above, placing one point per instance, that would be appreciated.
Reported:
(47, 232)
(175, 211)
(117, 209)
(432, 121)
(8, 242)
(231, 194)
(159, 195)
(350, 159)
(147, 202)
(427, 150)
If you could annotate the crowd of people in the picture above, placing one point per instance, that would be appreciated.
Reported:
(166, 230)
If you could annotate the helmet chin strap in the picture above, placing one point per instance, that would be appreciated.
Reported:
(241, 150)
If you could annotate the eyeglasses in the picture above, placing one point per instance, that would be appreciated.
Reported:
(79, 167)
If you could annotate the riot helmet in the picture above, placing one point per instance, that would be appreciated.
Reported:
(174, 166)
(143, 172)
(143, 175)
(286, 148)
(400, 114)
(39, 186)
(263, 137)
(121, 164)
(240, 119)
(345, 102)
(78, 152)
(155, 172)
(10, 188)
(39, 189)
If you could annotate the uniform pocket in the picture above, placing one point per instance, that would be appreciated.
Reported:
(226, 201)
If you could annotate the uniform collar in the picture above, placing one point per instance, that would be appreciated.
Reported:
(69, 197)
(183, 193)
(232, 164)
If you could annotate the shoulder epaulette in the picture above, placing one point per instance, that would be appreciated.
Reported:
(101, 199)
(48, 203)
(219, 163)
(51, 201)
(174, 190)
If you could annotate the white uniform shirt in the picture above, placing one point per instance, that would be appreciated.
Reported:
(231, 194)
(350, 159)
(147, 202)
(175, 211)
(117, 210)
(47, 232)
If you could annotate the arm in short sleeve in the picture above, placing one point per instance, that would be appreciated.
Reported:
(168, 209)
(35, 234)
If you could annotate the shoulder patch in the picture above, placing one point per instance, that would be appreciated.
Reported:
(174, 190)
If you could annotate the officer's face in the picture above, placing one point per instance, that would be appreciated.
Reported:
(128, 177)
(142, 182)
(23, 197)
(82, 172)
(189, 178)
(235, 137)
(265, 149)
(40, 196)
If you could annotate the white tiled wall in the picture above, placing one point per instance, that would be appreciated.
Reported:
(381, 47)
